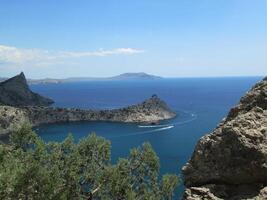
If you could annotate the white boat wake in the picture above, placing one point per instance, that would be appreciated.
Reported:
(159, 127)
(145, 132)
(194, 117)
(153, 126)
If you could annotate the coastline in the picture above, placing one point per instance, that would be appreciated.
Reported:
(150, 111)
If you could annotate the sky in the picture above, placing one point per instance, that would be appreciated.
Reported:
(99, 38)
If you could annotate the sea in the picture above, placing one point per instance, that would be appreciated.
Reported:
(200, 104)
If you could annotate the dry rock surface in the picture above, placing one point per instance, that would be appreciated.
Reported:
(231, 162)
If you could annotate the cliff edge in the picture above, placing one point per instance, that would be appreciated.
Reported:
(231, 162)
(16, 92)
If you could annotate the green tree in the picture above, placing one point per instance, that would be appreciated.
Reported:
(23, 138)
(33, 169)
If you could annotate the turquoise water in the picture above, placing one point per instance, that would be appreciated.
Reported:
(200, 103)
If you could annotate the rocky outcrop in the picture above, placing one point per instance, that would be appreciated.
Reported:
(16, 92)
(226, 191)
(11, 119)
(149, 111)
(231, 162)
(27, 108)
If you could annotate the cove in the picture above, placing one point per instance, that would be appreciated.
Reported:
(200, 102)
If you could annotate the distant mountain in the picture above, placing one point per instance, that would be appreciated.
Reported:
(125, 76)
(16, 92)
(135, 76)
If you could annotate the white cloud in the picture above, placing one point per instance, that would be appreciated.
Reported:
(102, 52)
(9, 54)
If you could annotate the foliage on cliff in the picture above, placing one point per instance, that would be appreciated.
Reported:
(33, 169)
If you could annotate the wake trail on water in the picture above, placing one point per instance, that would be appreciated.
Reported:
(145, 132)
(194, 117)
(153, 126)
(160, 127)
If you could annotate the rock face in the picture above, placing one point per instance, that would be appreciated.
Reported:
(151, 110)
(16, 92)
(231, 162)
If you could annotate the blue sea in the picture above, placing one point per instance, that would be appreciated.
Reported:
(201, 103)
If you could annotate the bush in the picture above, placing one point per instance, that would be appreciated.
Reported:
(33, 169)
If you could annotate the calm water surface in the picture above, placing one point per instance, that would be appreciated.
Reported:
(200, 102)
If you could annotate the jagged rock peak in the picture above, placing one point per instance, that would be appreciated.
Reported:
(18, 79)
(256, 97)
(154, 103)
(154, 96)
(231, 162)
(154, 99)
(22, 75)
(16, 92)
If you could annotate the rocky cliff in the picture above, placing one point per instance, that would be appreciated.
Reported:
(231, 162)
(151, 110)
(16, 92)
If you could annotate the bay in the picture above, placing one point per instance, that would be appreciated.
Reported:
(201, 103)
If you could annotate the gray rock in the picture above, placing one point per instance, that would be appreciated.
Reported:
(229, 192)
(11, 119)
(149, 111)
(234, 154)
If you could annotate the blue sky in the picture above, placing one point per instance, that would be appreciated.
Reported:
(174, 38)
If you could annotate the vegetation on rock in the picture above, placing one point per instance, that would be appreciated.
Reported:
(33, 169)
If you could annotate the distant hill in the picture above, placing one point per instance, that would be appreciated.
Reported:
(16, 92)
(125, 76)
(135, 76)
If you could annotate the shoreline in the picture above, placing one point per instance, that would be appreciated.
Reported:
(152, 110)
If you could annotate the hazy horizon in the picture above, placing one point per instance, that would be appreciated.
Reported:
(106, 38)
(99, 77)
